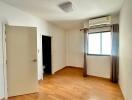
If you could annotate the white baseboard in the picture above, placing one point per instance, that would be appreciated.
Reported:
(53, 72)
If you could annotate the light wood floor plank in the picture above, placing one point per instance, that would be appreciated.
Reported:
(69, 84)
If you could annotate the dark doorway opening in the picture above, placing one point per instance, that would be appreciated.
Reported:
(46, 53)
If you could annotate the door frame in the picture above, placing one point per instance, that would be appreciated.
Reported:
(52, 71)
(4, 60)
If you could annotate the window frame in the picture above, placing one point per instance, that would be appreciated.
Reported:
(100, 43)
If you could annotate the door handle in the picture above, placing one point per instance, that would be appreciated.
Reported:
(34, 60)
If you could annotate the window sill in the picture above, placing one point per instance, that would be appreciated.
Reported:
(97, 55)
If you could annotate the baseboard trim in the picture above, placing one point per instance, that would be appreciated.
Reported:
(108, 79)
(121, 92)
(73, 67)
(81, 68)
(68, 67)
(24, 94)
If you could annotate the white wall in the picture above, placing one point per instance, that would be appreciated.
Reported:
(74, 48)
(97, 65)
(13, 16)
(58, 47)
(125, 72)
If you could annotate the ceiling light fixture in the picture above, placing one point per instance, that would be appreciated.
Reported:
(66, 6)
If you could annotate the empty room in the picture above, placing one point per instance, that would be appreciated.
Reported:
(65, 49)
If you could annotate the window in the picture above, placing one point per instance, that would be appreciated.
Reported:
(99, 43)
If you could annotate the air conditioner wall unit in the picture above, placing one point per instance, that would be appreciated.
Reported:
(100, 21)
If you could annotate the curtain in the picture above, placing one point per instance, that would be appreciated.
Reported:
(115, 53)
(85, 51)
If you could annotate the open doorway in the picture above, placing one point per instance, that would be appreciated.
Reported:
(46, 54)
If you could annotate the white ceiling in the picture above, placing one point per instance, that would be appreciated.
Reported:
(83, 9)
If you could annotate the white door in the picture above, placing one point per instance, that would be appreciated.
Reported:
(21, 60)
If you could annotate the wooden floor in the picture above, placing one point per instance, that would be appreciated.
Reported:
(68, 84)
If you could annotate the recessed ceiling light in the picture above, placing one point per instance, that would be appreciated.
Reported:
(66, 6)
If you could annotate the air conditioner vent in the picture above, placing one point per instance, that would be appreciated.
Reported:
(100, 21)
